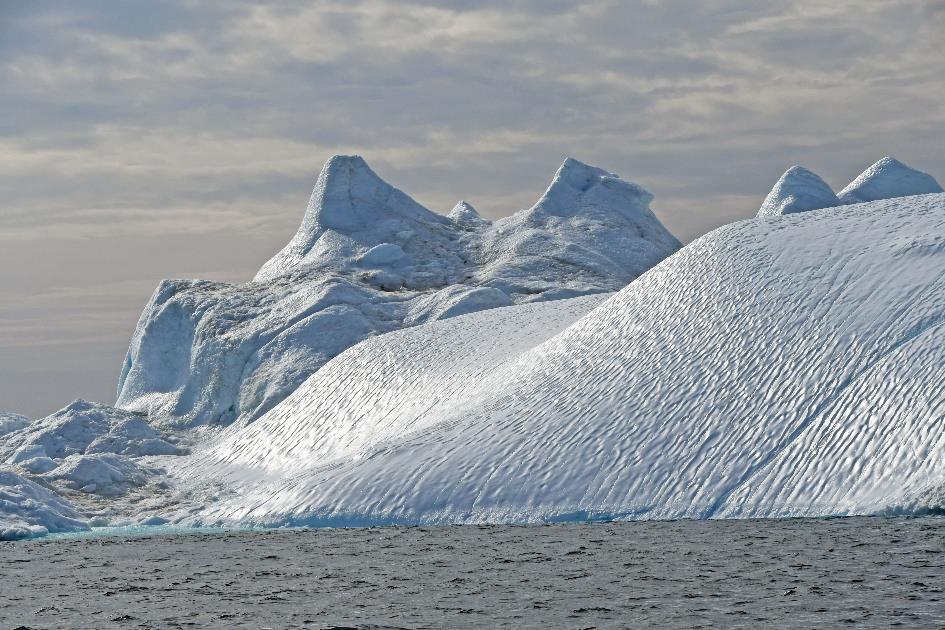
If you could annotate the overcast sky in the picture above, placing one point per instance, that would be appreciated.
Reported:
(143, 140)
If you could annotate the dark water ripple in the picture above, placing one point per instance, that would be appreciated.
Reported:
(858, 572)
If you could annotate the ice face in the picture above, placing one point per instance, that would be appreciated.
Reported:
(798, 190)
(368, 260)
(887, 179)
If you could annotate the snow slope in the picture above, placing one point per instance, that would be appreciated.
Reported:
(784, 366)
(886, 179)
(798, 190)
(387, 386)
(367, 260)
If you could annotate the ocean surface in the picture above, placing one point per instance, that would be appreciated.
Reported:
(804, 573)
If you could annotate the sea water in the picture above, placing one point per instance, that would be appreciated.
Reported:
(856, 572)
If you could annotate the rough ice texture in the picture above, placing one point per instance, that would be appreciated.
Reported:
(87, 447)
(886, 179)
(798, 190)
(464, 215)
(368, 260)
(10, 422)
(787, 366)
(84, 427)
(28, 509)
(104, 474)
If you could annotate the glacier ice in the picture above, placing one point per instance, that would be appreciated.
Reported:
(104, 474)
(787, 366)
(464, 215)
(798, 190)
(886, 179)
(367, 260)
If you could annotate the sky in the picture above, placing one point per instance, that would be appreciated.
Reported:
(144, 140)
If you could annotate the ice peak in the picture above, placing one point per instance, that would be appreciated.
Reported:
(466, 215)
(886, 179)
(577, 175)
(798, 190)
(346, 192)
(352, 202)
(578, 188)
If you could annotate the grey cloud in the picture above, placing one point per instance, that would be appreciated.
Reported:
(142, 130)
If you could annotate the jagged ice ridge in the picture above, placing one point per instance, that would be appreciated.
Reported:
(367, 260)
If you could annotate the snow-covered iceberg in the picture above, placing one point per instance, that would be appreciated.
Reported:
(798, 190)
(886, 179)
(788, 365)
(366, 260)
(774, 367)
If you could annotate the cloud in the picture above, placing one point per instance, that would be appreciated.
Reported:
(205, 123)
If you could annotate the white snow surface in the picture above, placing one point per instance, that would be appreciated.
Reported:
(28, 509)
(785, 366)
(798, 190)
(886, 179)
(367, 260)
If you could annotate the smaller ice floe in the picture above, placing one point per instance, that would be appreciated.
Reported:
(10, 422)
(887, 179)
(104, 474)
(83, 427)
(28, 509)
(798, 190)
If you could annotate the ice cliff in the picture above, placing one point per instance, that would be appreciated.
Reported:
(775, 367)
(367, 259)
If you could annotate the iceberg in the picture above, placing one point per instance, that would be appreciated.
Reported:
(368, 260)
(395, 366)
